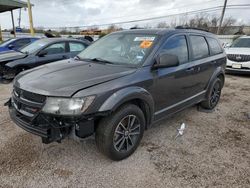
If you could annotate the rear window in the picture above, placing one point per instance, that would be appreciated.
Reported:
(215, 47)
(199, 47)
(21, 42)
(76, 47)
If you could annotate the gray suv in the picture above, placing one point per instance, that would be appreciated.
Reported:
(119, 86)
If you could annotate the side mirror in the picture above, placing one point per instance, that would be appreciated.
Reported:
(42, 53)
(164, 60)
(11, 46)
(227, 45)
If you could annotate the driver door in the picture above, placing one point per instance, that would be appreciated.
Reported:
(173, 85)
(53, 52)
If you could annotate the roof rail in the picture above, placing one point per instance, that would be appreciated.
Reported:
(136, 28)
(186, 27)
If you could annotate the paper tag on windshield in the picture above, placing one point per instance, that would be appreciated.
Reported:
(146, 44)
(144, 39)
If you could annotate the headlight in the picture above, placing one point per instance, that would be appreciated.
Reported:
(67, 106)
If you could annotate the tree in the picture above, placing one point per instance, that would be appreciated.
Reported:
(112, 28)
(162, 25)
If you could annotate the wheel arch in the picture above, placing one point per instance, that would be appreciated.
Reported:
(134, 95)
(218, 73)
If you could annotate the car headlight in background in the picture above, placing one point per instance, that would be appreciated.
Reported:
(67, 106)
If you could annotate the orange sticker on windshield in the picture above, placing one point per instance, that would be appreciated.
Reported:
(146, 44)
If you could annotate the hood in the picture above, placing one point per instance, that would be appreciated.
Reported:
(11, 56)
(64, 78)
(242, 51)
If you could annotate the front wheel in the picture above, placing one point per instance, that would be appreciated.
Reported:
(118, 135)
(213, 96)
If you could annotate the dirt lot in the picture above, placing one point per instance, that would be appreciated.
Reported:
(213, 152)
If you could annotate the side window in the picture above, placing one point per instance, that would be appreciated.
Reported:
(76, 47)
(21, 42)
(215, 47)
(57, 48)
(199, 47)
(177, 46)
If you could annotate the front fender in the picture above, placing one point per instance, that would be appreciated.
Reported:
(26, 61)
(127, 94)
(14, 64)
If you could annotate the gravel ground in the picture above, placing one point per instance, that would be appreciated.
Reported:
(213, 152)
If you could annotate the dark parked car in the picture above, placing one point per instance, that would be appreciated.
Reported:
(16, 43)
(38, 53)
(119, 86)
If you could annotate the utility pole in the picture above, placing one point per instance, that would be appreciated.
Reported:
(30, 18)
(13, 24)
(1, 36)
(222, 16)
(19, 19)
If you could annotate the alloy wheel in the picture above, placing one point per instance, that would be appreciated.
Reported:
(127, 133)
(215, 96)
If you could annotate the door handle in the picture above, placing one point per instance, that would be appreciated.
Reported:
(198, 69)
(213, 62)
(191, 69)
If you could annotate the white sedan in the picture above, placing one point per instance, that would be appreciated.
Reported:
(238, 56)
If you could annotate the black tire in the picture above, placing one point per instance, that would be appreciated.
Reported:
(20, 69)
(113, 128)
(4, 81)
(213, 95)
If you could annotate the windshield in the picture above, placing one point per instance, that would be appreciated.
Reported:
(7, 42)
(120, 48)
(33, 47)
(241, 43)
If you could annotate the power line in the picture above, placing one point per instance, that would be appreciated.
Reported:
(211, 9)
(183, 6)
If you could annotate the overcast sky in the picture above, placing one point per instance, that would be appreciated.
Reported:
(66, 13)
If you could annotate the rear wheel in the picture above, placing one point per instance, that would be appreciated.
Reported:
(118, 135)
(214, 94)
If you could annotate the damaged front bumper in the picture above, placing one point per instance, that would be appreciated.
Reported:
(51, 128)
(7, 73)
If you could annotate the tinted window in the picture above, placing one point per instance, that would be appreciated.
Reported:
(199, 47)
(57, 48)
(177, 46)
(21, 42)
(76, 47)
(215, 47)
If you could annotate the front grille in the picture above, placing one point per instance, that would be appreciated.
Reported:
(238, 57)
(27, 103)
(30, 96)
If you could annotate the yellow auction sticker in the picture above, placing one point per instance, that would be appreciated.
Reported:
(146, 44)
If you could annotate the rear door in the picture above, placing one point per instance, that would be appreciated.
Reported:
(54, 52)
(202, 61)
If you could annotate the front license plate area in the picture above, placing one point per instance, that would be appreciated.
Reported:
(236, 66)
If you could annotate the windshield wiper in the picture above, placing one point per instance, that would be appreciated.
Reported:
(17, 50)
(97, 59)
(78, 58)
